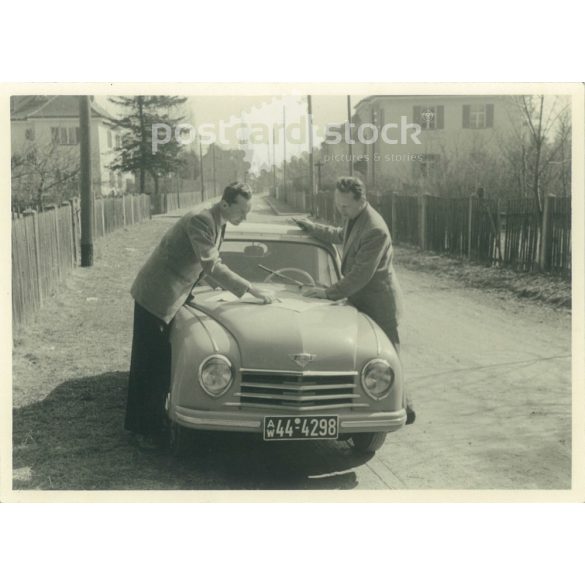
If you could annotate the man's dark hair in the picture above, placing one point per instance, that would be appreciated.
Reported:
(351, 185)
(231, 192)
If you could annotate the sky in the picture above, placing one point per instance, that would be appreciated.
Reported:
(326, 109)
(257, 121)
(260, 114)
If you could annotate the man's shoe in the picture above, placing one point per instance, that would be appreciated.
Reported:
(410, 415)
(146, 442)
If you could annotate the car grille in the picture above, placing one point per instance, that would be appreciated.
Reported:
(298, 391)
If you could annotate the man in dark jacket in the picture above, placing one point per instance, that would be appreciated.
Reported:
(369, 281)
(187, 252)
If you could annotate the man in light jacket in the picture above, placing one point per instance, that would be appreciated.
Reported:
(188, 252)
(369, 281)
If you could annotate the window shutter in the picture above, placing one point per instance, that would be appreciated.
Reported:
(465, 116)
(361, 166)
(489, 116)
(55, 134)
(440, 117)
(416, 110)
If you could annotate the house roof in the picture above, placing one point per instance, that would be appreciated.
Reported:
(46, 106)
(421, 97)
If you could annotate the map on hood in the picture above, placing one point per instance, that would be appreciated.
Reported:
(295, 303)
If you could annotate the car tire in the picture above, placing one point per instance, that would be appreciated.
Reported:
(179, 440)
(368, 442)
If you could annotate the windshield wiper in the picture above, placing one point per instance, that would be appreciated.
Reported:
(294, 281)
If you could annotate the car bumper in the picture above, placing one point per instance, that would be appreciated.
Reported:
(373, 422)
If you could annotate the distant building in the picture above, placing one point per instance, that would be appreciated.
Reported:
(391, 152)
(54, 120)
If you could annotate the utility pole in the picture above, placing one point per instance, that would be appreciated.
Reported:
(201, 171)
(85, 183)
(214, 181)
(319, 165)
(375, 123)
(311, 166)
(284, 151)
(270, 161)
(274, 160)
(348, 134)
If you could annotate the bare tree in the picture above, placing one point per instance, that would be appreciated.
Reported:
(541, 116)
(39, 170)
(458, 168)
(563, 150)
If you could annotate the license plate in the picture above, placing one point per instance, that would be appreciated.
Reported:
(298, 428)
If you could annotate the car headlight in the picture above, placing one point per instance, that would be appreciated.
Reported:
(377, 378)
(216, 375)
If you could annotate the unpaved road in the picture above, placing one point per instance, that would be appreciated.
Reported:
(490, 377)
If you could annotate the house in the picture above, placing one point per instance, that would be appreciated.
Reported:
(401, 141)
(51, 125)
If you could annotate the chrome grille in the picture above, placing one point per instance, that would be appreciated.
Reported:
(298, 391)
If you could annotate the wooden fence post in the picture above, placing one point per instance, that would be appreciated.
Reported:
(422, 223)
(469, 225)
(74, 231)
(52, 208)
(132, 209)
(33, 213)
(123, 211)
(546, 234)
(393, 214)
(102, 203)
(68, 204)
(499, 233)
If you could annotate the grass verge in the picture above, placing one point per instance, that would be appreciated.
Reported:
(552, 290)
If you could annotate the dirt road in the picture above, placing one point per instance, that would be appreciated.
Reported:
(490, 377)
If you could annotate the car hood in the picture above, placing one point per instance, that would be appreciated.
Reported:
(269, 336)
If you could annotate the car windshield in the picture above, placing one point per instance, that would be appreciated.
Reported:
(303, 262)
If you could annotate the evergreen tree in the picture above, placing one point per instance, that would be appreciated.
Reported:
(136, 154)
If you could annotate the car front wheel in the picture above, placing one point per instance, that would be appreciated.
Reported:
(179, 439)
(368, 442)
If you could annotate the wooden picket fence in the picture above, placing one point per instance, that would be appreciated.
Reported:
(521, 234)
(113, 213)
(505, 232)
(295, 199)
(405, 218)
(46, 245)
(174, 201)
(557, 257)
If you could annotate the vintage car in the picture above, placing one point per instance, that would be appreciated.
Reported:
(298, 369)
